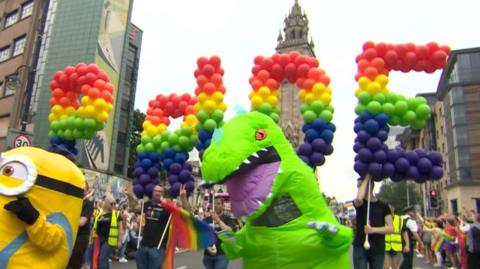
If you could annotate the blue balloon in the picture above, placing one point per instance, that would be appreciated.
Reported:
(319, 125)
(154, 156)
(204, 135)
(55, 140)
(365, 155)
(327, 136)
(170, 153)
(382, 135)
(175, 168)
(306, 127)
(181, 157)
(146, 163)
(167, 163)
(365, 116)
(357, 146)
(187, 166)
(358, 127)
(374, 143)
(199, 145)
(382, 119)
(311, 135)
(371, 126)
(361, 168)
(331, 127)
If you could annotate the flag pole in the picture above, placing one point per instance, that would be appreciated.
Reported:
(140, 226)
(164, 231)
(366, 244)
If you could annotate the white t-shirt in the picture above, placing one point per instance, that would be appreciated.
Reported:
(411, 223)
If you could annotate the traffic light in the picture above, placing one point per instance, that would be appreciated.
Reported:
(433, 199)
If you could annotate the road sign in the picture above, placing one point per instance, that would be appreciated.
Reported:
(21, 140)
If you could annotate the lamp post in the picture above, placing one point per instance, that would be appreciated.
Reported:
(14, 80)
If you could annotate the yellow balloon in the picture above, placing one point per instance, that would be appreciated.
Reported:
(69, 110)
(385, 90)
(256, 101)
(161, 127)
(363, 82)
(251, 94)
(217, 97)
(301, 94)
(86, 100)
(309, 98)
(382, 79)
(197, 107)
(100, 104)
(52, 117)
(358, 91)
(202, 97)
(57, 109)
(108, 107)
(102, 116)
(146, 124)
(191, 120)
(318, 88)
(223, 107)
(209, 106)
(264, 91)
(374, 88)
(64, 117)
(272, 100)
(326, 98)
(327, 90)
(151, 131)
(90, 111)
(276, 93)
(81, 112)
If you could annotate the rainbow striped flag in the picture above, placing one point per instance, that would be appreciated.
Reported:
(437, 246)
(185, 231)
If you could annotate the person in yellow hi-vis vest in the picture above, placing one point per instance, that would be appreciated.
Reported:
(394, 245)
(108, 228)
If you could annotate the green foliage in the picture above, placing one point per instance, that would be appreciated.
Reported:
(396, 194)
(135, 128)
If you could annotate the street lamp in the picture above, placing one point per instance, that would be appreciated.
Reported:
(14, 81)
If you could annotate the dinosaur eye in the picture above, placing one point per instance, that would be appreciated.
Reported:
(261, 134)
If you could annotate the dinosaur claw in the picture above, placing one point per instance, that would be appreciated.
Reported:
(323, 227)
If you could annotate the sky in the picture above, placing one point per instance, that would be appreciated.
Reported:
(177, 32)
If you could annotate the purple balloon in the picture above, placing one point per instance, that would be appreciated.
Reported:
(413, 173)
(382, 135)
(175, 168)
(357, 147)
(388, 170)
(304, 158)
(155, 181)
(363, 137)
(421, 153)
(138, 171)
(138, 190)
(172, 179)
(412, 157)
(402, 165)
(318, 145)
(189, 186)
(397, 177)
(436, 172)
(184, 176)
(365, 155)
(153, 172)
(424, 165)
(305, 149)
(317, 159)
(360, 168)
(174, 190)
(374, 143)
(187, 166)
(144, 179)
(149, 189)
(392, 155)
(375, 169)
(435, 157)
(328, 150)
(380, 156)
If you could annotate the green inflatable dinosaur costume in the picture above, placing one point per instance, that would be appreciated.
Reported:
(288, 224)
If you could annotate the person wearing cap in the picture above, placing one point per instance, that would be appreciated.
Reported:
(413, 237)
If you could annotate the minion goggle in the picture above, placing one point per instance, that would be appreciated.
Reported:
(18, 174)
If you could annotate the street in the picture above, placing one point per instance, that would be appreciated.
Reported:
(193, 260)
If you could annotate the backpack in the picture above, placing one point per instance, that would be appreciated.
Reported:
(475, 231)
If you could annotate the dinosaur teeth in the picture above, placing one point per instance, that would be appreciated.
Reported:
(269, 195)
(280, 171)
(264, 149)
(246, 161)
(255, 155)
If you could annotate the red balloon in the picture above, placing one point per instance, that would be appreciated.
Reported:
(421, 52)
(82, 69)
(312, 62)
(58, 93)
(314, 73)
(308, 84)
(370, 54)
(446, 49)
(371, 73)
(182, 105)
(81, 80)
(102, 75)
(208, 70)
(276, 58)
(362, 65)
(432, 47)
(300, 82)
(217, 80)
(290, 72)
(215, 61)
(197, 91)
(263, 75)
(201, 80)
(420, 66)
(185, 97)
(64, 102)
(63, 80)
(92, 68)
(57, 75)
(410, 59)
(169, 107)
(154, 104)
(381, 48)
(439, 59)
(410, 47)
(267, 64)
(301, 59)
(193, 100)
(302, 70)
(165, 121)
(209, 88)
(153, 119)
(157, 112)
(99, 84)
(271, 84)
(85, 88)
(293, 55)
(378, 63)
(258, 60)
(220, 71)
(196, 73)
(401, 49)
(325, 79)
(222, 89)
(368, 45)
(201, 61)
(90, 78)
(69, 70)
(284, 59)
(189, 110)
(71, 95)
(357, 76)
(255, 69)
(256, 84)
(391, 58)
(107, 96)
(277, 72)
(54, 84)
(149, 111)
(53, 101)
(109, 87)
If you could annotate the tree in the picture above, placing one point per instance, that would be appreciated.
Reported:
(396, 194)
(134, 139)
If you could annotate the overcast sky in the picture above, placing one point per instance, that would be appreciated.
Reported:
(177, 32)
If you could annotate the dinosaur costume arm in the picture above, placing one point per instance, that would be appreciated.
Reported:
(233, 243)
(46, 235)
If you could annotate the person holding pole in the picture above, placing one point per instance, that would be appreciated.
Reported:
(374, 220)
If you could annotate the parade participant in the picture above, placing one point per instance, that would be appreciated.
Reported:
(412, 230)
(396, 242)
(288, 223)
(379, 224)
(108, 228)
(473, 244)
(214, 257)
(41, 196)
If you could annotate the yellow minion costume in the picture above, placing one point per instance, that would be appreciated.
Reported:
(40, 203)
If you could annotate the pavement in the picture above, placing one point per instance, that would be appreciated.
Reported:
(193, 260)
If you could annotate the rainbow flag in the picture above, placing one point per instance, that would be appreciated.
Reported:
(437, 246)
(185, 231)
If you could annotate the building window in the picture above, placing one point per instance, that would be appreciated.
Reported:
(9, 88)
(27, 9)
(4, 53)
(19, 45)
(11, 18)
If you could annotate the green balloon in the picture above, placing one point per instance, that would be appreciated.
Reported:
(202, 116)
(164, 145)
(173, 139)
(78, 122)
(374, 107)
(418, 124)
(55, 125)
(89, 124)
(198, 126)
(89, 134)
(177, 148)
(421, 100)
(184, 141)
(187, 131)
(217, 115)
(51, 133)
(70, 123)
(331, 108)
(364, 98)
(326, 115)
(359, 109)
(379, 97)
(265, 108)
(165, 135)
(145, 139)
(157, 140)
(391, 97)
(60, 133)
(78, 134)
(68, 134)
(303, 108)
(317, 106)
(388, 109)
(140, 148)
(149, 147)
(309, 116)
(62, 124)
(210, 125)
(423, 112)
(193, 139)
(401, 108)
(394, 120)
(401, 98)
(275, 117)
(277, 110)
(412, 103)
(99, 126)
(410, 117)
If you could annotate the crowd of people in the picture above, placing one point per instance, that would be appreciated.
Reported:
(390, 238)
(117, 230)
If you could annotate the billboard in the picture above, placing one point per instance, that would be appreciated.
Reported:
(109, 52)
(106, 184)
